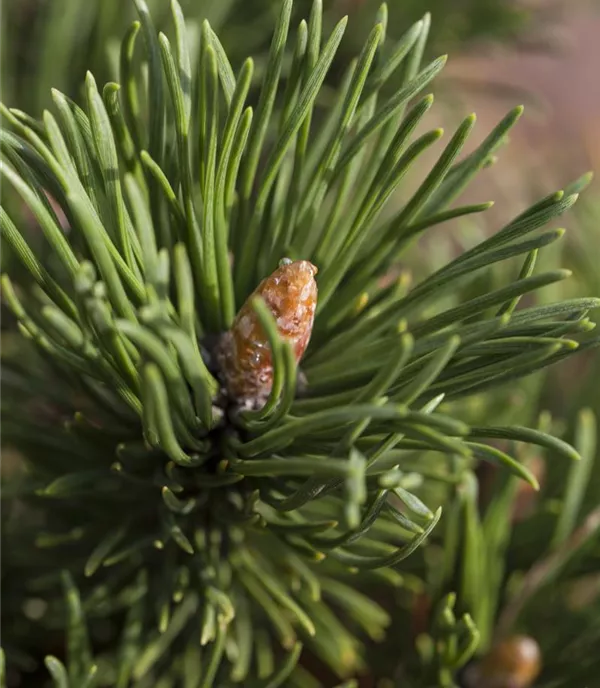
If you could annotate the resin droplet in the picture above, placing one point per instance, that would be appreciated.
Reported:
(245, 355)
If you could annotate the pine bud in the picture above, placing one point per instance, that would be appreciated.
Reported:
(290, 293)
(512, 663)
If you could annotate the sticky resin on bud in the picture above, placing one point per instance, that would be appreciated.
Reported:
(290, 293)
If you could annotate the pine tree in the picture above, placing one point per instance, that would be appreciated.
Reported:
(203, 532)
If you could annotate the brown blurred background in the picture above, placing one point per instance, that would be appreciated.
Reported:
(558, 137)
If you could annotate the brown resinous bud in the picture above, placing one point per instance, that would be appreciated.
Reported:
(290, 293)
(514, 662)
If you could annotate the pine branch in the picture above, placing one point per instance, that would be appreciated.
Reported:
(207, 513)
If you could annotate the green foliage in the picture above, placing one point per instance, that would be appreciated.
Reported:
(35, 57)
(211, 543)
(523, 580)
(537, 575)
